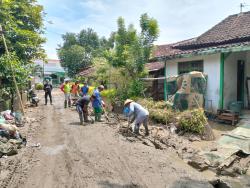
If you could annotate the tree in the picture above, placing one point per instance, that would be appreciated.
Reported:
(69, 40)
(149, 34)
(37, 69)
(22, 72)
(23, 25)
(132, 50)
(89, 40)
(79, 50)
(74, 58)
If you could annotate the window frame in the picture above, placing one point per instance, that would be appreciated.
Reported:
(195, 65)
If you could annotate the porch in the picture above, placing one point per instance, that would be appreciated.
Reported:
(236, 79)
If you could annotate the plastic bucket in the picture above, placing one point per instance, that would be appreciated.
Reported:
(236, 106)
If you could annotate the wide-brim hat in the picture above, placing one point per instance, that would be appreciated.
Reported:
(101, 87)
(128, 101)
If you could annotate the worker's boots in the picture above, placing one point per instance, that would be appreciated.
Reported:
(65, 104)
(69, 102)
(98, 117)
(146, 131)
(81, 118)
(85, 116)
(136, 128)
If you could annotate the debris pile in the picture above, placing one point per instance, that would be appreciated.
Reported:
(217, 157)
(193, 121)
(10, 137)
(230, 156)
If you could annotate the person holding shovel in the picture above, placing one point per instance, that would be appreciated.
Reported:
(137, 113)
(82, 108)
(97, 102)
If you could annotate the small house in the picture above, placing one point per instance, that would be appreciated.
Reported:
(222, 53)
(51, 69)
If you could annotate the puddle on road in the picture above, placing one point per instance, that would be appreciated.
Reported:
(53, 150)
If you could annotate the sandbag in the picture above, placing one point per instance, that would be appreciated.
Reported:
(187, 90)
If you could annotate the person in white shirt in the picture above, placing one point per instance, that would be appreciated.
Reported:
(138, 114)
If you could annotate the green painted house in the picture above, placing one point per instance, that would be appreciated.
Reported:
(222, 53)
(51, 70)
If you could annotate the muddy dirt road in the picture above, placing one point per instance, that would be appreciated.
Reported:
(89, 156)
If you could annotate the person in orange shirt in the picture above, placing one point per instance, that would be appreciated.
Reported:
(75, 92)
(75, 89)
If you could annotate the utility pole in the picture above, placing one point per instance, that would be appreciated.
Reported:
(243, 5)
(12, 71)
(43, 70)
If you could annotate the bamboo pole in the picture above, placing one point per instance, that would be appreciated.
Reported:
(152, 79)
(165, 82)
(12, 71)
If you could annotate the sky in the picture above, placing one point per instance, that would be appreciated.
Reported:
(178, 19)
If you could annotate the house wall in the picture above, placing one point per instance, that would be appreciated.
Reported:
(212, 69)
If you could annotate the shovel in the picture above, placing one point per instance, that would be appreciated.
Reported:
(128, 123)
(105, 114)
(91, 119)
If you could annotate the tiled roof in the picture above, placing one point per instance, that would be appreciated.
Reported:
(87, 72)
(154, 66)
(169, 49)
(234, 28)
(231, 32)
(171, 52)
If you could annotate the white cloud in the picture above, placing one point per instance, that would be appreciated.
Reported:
(178, 20)
(96, 5)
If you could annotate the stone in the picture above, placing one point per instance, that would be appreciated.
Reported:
(193, 138)
(198, 163)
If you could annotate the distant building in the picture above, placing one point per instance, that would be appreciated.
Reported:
(52, 70)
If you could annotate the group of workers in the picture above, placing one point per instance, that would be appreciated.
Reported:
(73, 91)
(134, 111)
(82, 98)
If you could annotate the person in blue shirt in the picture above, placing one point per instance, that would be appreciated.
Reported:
(97, 102)
(85, 89)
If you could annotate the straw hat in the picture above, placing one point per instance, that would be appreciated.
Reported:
(101, 87)
(128, 101)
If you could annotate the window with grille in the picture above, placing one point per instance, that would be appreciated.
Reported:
(188, 66)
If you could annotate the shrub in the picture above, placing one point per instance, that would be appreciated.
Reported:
(39, 86)
(162, 115)
(193, 121)
(109, 93)
(161, 112)
(135, 88)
